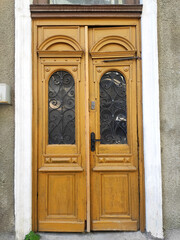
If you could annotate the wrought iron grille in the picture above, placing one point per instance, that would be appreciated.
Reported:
(113, 110)
(61, 108)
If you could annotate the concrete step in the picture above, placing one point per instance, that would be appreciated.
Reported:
(95, 236)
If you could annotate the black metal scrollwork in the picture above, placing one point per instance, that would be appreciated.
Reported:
(113, 110)
(61, 109)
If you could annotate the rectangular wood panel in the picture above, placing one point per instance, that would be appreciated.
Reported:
(61, 195)
(114, 195)
(60, 202)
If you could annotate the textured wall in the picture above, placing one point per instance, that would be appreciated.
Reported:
(7, 117)
(169, 69)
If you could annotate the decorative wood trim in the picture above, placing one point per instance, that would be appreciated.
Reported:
(60, 39)
(61, 169)
(113, 54)
(140, 137)
(60, 53)
(85, 11)
(113, 40)
(114, 168)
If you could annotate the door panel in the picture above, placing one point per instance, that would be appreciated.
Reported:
(114, 163)
(59, 202)
(61, 165)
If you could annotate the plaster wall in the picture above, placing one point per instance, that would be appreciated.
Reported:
(169, 73)
(7, 117)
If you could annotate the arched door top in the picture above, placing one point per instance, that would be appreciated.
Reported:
(60, 45)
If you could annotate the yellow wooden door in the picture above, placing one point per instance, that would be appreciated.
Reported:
(86, 88)
(61, 149)
(113, 122)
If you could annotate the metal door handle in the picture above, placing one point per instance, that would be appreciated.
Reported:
(93, 141)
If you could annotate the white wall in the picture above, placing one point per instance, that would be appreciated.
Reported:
(151, 120)
(23, 119)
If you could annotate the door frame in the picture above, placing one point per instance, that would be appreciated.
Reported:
(91, 21)
(23, 114)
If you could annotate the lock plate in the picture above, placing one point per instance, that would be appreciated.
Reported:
(93, 105)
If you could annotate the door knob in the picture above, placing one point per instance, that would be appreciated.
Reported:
(93, 141)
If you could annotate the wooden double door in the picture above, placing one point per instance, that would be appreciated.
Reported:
(87, 125)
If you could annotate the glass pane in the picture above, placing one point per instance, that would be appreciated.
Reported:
(93, 2)
(61, 108)
(113, 112)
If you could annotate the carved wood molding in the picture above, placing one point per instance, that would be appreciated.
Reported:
(85, 11)
(63, 54)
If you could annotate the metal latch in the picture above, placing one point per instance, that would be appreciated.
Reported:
(121, 59)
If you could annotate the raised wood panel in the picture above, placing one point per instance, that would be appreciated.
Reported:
(60, 47)
(60, 201)
(45, 32)
(116, 201)
(61, 195)
(114, 194)
(125, 32)
(112, 47)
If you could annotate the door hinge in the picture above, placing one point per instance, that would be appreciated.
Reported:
(122, 59)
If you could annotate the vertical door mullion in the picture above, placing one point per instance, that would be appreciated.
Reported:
(87, 127)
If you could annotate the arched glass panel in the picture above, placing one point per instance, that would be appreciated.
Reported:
(113, 109)
(61, 108)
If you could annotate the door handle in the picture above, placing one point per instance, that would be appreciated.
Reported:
(93, 141)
